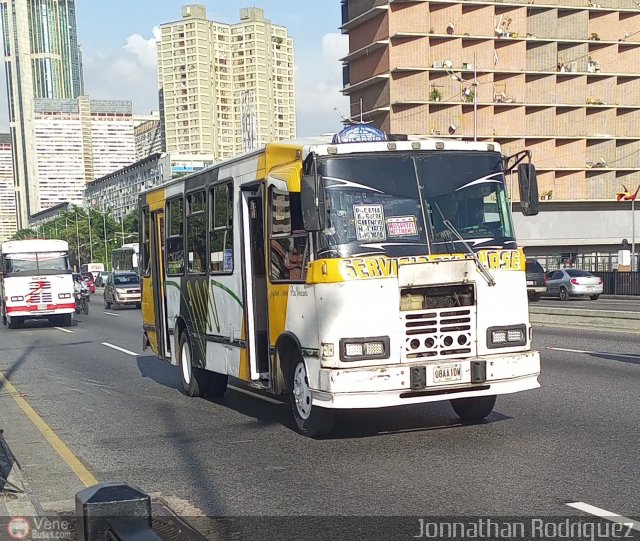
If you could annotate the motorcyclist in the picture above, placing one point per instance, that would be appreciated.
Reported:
(79, 285)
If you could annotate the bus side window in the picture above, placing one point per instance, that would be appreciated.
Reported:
(221, 229)
(196, 233)
(145, 263)
(175, 237)
(288, 243)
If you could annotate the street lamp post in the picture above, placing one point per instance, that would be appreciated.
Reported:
(90, 240)
(78, 241)
(104, 229)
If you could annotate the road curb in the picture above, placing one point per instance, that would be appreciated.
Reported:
(17, 499)
(605, 319)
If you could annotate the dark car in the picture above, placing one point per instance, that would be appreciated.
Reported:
(90, 281)
(122, 289)
(536, 285)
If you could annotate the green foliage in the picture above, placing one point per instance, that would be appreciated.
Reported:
(87, 245)
(435, 94)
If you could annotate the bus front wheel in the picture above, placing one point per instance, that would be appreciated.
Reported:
(474, 409)
(14, 322)
(311, 420)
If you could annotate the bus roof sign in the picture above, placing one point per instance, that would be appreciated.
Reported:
(359, 133)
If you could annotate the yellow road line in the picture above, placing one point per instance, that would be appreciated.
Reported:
(65, 453)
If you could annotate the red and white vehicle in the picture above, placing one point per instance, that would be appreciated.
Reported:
(35, 282)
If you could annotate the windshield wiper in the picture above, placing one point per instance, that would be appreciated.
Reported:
(481, 268)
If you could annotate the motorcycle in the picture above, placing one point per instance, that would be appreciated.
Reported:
(82, 302)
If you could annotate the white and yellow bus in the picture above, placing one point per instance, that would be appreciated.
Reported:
(361, 274)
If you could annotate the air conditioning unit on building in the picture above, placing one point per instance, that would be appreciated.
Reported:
(438, 64)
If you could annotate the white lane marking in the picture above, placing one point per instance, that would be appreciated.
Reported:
(118, 348)
(608, 515)
(255, 395)
(62, 329)
(629, 355)
(111, 314)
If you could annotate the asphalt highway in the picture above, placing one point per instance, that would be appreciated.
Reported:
(119, 410)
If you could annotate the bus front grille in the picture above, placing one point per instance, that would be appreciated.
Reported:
(40, 292)
(439, 333)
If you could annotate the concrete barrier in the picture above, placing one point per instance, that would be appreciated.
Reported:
(607, 319)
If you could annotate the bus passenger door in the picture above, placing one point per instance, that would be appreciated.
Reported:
(159, 287)
(255, 281)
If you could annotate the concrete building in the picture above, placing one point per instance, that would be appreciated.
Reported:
(148, 135)
(8, 225)
(77, 141)
(559, 78)
(42, 60)
(117, 192)
(219, 80)
(43, 217)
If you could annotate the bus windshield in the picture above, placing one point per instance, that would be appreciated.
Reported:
(37, 263)
(396, 204)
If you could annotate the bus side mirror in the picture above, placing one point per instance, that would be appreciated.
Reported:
(528, 183)
(312, 203)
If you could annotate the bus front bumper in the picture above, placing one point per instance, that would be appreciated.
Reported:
(415, 383)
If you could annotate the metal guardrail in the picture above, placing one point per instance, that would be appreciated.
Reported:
(620, 283)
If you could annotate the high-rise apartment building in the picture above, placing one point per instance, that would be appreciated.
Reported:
(42, 60)
(7, 194)
(225, 88)
(561, 78)
(77, 141)
(148, 134)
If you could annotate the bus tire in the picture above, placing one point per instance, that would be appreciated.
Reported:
(195, 381)
(311, 420)
(15, 322)
(65, 320)
(474, 409)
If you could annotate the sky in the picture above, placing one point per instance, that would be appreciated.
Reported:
(118, 40)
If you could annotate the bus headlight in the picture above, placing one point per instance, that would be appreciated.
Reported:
(505, 337)
(64, 295)
(360, 349)
(17, 298)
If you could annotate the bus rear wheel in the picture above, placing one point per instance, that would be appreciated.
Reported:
(311, 420)
(198, 382)
(474, 409)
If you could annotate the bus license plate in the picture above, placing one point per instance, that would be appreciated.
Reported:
(447, 372)
(42, 307)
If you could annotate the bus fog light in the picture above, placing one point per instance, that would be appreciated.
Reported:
(373, 348)
(499, 337)
(514, 335)
(354, 350)
(17, 298)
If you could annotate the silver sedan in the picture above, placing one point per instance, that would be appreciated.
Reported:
(567, 283)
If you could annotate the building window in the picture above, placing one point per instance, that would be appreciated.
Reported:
(196, 233)
(175, 237)
(288, 242)
(221, 229)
